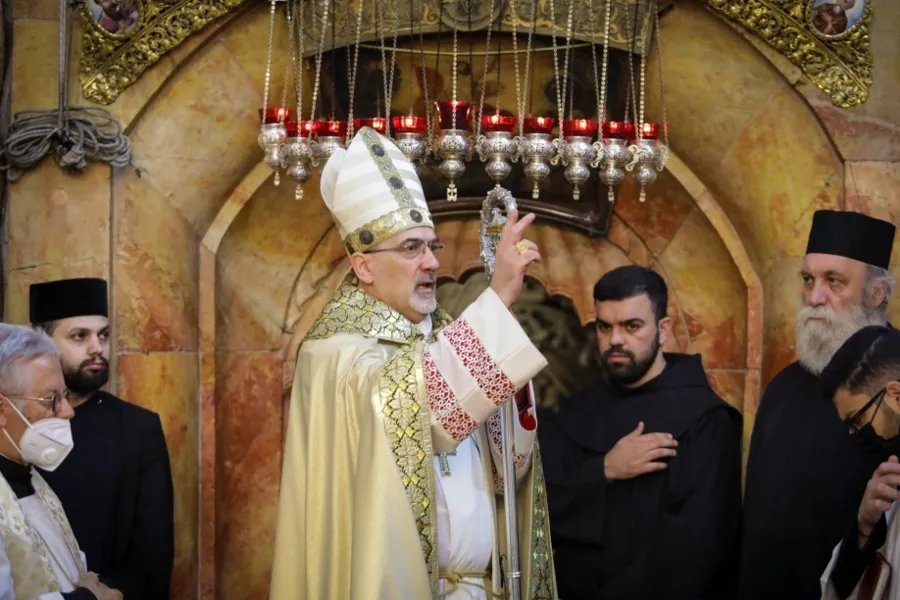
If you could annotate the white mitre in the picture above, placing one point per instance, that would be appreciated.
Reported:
(372, 191)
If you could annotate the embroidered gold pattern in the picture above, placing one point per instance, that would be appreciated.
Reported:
(389, 225)
(405, 412)
(841, 65)
(542, 578)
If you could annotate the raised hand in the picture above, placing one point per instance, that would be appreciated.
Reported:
(637, 454)
(511, 256)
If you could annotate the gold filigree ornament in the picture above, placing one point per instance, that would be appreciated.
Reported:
(833, 50)
(122, 38)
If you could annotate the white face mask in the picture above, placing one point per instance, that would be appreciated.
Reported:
(45, 444)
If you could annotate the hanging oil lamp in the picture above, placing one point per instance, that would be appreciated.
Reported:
(453, 143)
(330, 137)
(408, 132)
(645, 157)
(272, 134)
(379, 124)
(537, 149)
(298, 153)
(497, 146)
(616, 154)
(578, 152)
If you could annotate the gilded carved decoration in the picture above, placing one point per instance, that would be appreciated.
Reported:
(827, 39)
(123, 38)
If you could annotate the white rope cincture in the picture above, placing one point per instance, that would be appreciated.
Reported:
(74, 134)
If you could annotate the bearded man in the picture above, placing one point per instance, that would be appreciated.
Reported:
(392, 464)
(643, 473)
(805, 477)
(116, 485)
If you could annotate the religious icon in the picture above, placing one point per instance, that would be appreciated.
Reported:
(115, 16)
(834, 17)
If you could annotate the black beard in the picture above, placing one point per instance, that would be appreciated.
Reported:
(83, 382)
(630, 372)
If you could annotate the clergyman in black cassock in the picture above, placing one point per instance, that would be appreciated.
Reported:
(630, 521)
(805, 477)
(116, 485)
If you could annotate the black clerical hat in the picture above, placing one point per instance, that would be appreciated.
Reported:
(66, 298)
(852, 235)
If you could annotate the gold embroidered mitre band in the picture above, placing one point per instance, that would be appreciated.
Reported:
(372, 191)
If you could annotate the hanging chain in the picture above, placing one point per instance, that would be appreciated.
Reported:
(292, 57)
(568, 54)
(428, 123)
(559, 100)
(268, 61)
(315, 94)
(662, 86)
(596, 73)
(350, 123)
(643, 82)
(630, 98)
(453, 79)
(484, 78)
(287, 67)
(605, 66)
(379, 24)
(298, 67)
(389, 97)
(520, 99)
(534, 7)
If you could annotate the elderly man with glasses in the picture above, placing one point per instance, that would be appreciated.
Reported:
(40, 557)
(392, 463)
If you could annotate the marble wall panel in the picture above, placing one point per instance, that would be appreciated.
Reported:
(775, 203)
(710, 291)
(55, 217)
(249, 418)
(167, 383)
(781, 306)
(180, 142)
(729, 385)
(656, 219)
(157, 270)
(258, 261)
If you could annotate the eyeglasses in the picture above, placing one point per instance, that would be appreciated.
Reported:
(412, 249)
(854, 421)
(52, 400)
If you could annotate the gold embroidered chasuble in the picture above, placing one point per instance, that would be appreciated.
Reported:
(373, 400)
(27, 554)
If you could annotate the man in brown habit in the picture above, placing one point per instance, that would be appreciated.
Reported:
(116, 485)
(805, 474)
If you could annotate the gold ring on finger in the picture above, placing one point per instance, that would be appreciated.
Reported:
(522, 247)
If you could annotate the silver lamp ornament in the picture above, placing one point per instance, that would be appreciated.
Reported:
(272, 134)
(648, 157)
(330, 136)
(297, 153)
(578, 152)
(536, 148)
(408, 134)
(453, 144)
(497, 146)
(616, 154)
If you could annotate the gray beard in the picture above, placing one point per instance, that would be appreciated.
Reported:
(817, 341)
(424, 306)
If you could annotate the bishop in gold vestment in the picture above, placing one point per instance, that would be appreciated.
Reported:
(392, 469)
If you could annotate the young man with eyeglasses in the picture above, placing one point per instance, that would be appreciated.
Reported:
(392, 463)
(863, 380)
(40, 557)
(116, 486)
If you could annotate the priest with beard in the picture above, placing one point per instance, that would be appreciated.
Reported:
(116, 485)
(805, 476)
(644, 472)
